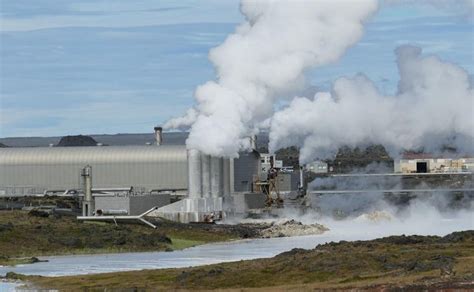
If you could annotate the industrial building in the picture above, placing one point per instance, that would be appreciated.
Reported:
(429, 163)
(35, 170)
(204, 183)
(317, 167)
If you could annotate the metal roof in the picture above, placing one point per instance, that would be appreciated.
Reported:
(98, 154)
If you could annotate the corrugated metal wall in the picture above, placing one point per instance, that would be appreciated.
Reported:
(151, 167)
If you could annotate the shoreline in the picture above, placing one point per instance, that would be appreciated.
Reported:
(438, 260)
(68, 237)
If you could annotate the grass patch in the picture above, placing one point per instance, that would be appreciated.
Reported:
(179, 243)
(22, 235)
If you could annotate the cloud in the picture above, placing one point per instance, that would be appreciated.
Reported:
(434, 107)
(47, 15)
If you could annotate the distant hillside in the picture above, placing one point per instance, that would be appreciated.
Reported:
(169, 138)
(290, 156)
(79, 140)
(3, 145)
(348, 159)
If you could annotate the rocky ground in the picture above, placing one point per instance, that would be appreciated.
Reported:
(282, 228)
(395, 263)
(25, 235)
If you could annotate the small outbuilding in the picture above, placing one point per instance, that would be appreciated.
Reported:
(429, 163)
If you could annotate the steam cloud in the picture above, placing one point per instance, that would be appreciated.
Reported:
(265, 59)
(433, 108)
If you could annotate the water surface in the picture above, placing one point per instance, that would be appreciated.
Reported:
(359, 229)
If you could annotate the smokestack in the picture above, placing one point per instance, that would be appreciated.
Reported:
(226, 177)
(194, 174)
(253, 142)
(206, 175)
(158, 135)
(216, 177)
(88, 201)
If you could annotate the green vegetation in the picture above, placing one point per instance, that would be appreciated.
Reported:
(23, 236)
(414, 262)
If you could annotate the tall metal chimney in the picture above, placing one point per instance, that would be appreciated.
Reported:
(158, 135)
(253, 142)
(216, 177)
(194, 174)
(226, 177)
(88, 207)
(206, 175)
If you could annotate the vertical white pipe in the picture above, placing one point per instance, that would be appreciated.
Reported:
(221, 176)
(301, 177)
(231, 176)
(253, 142)
(88, 207)
(194, 174)
(206, 175)
(226, 176)
(216, 176)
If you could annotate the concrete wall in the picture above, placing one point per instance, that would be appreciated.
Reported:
(140, 204)
(247, 201)
(134, 205)
(112, 203)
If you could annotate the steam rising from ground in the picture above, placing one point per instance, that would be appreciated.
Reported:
(420, 217)
(433, 107)
(371, 216)
(377, 198)
(265, 59)
(378, 213)
(425, 215)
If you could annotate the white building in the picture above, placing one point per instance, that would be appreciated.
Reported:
(428, 163)
(317, 167)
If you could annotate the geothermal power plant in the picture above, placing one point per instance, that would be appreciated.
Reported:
(186, 185)
(180, 184)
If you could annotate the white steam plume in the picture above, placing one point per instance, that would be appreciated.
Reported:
(183, 122)
(433, 107)
(265, 58)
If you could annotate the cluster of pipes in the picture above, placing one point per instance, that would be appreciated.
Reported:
(208, 177)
